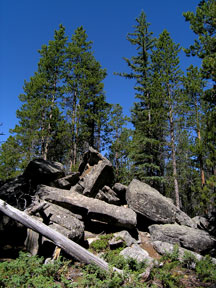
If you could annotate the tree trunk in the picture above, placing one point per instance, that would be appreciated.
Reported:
(172, 137)
(60, 240)
(202, 174)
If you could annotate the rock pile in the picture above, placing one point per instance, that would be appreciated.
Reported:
(89, 200)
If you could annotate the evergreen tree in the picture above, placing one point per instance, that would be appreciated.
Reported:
(84, 97)
(10, 159)
(147, 141)
(40, 101)
(193, 89)
(166, 63)
(119, 136)
(203, 24)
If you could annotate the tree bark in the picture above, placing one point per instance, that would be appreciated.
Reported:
(174, 166)
(60, 240)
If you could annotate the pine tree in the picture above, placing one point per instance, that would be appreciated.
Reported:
(86, 106)
(119, 138)
(166, 62)
(193, 89)
(40, 101)
(10, 159)
(147, 141)
(203, 24)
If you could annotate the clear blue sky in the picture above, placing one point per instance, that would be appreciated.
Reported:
(25, 25)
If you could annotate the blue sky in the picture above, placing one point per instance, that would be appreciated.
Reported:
(25, 25)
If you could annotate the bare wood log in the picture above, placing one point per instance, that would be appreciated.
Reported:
(60, 240)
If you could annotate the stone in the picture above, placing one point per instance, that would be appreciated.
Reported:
(89, 208)
(122, 237)
(65, 219)
(137, 253)
(67, 181)
(43, 171)
(17, 192)
(148, 202)
(97, 177)
(108, 195)
(163, 248)
(193, 239)
(120, 191)
(90, 158)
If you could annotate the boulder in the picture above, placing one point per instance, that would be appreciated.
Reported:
(201, 222)
(137, 253)
(67, 181)
(163, 248)
(148, 202)
(89, 208)
(120, 191)
(54, 214)
(96, 172)
(108, 195)
(96, 178)
(43, 172)
(121, 238)
(193, 239)
(17, 192)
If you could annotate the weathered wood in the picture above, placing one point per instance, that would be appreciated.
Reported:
(60, 240)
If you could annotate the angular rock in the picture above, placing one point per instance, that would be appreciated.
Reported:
(17, 192)
(96, 172)
(136, 253)
(148, 202)
(88, 207)
(120, 190)
(164, 248)
(202, 222)
(54, 214)
(186, 237)
(90, 158)
(67, 181)
(43, 172)
(108, 195)
(122, 237)
(97, 177)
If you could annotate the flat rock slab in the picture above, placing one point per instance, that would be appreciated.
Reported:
(88, 207)
(148, 202)
(187, 237)
(137, 253)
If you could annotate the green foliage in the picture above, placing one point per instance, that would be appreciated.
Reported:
(206, 270)
(29, 271)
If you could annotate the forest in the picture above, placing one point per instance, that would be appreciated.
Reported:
(172, 145)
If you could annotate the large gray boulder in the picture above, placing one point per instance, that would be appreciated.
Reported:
(96, 172)
(186, 237)
(148, 202)
(89, 208)
(43, 171)
(164, 248)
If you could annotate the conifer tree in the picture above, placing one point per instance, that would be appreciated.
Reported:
(84, 97)
(119, 137)
(203, 24)
(147, 148)
(10, 154)
(40, 100)
(166, 62)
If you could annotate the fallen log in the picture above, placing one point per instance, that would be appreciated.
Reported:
(72, 248)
